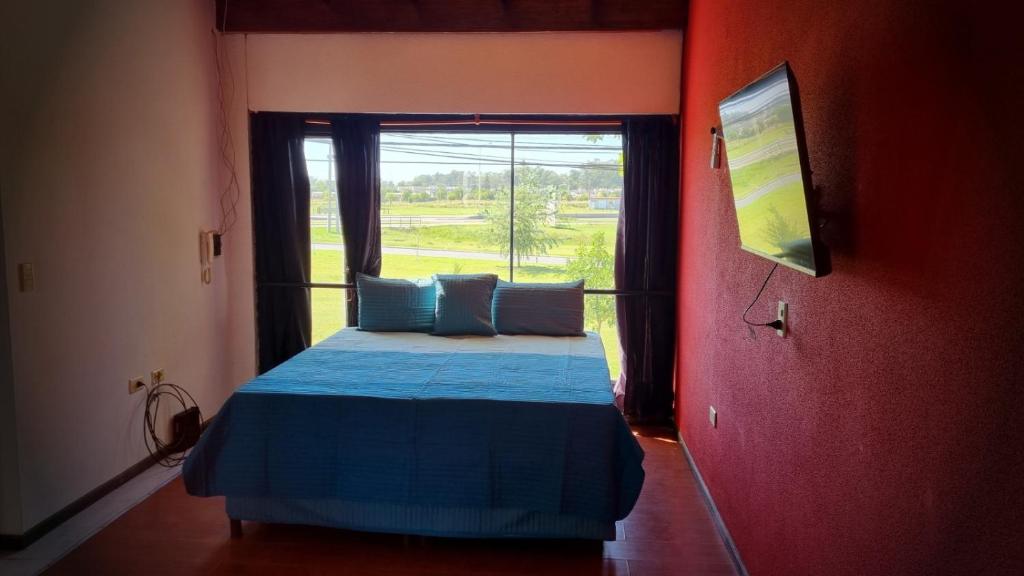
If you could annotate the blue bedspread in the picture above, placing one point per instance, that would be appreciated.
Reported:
(512, 422)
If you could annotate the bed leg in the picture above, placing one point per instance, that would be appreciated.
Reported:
(236, 528)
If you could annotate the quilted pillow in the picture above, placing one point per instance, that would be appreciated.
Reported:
(546, 309)
(463, 304)
(387, 305)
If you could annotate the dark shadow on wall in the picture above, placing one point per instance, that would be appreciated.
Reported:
(832, 199)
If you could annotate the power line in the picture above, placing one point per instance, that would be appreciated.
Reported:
(480, 158)
(447, 163)
(547, 147)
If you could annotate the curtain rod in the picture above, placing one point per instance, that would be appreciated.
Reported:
(478, 122)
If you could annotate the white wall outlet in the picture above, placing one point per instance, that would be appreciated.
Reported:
(784, 318)
(156, 377)
(136, 384)
(713, 416)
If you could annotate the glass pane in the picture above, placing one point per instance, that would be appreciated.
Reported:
(600, 317)
(326, 248)
(568, 190)
(329, 311)
(444, 203)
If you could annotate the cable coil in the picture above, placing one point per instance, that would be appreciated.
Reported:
(164, 454)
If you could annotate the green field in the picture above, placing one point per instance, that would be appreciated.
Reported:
(469, 207)
(474, 238)
(737, 147)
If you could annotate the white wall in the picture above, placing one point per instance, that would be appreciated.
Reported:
(238, 256)
(108, 171)
(577, 72)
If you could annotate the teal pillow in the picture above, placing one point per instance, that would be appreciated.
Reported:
(387, 305)
(545, 309)
(464, 304)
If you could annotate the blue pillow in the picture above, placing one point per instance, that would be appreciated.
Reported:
(387, 305)
(464, 304)
(546, 309)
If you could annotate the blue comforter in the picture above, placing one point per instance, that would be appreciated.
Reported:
(511, 422)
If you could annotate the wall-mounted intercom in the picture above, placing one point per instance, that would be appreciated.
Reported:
(206, 254)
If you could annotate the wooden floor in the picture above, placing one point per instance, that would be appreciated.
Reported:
(668, 533)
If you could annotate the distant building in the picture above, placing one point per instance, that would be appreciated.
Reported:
(604, 202)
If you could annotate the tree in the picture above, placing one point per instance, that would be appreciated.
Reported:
(531, 235)
(319, 188)
(595, 266)
(778, 231)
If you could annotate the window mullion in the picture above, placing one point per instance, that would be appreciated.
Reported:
(512, 209)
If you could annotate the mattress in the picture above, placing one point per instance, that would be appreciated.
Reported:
(501, 431)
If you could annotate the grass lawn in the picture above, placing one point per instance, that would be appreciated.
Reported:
(328, 303)
(321, 205)
(740, 146)
(474, 207)
(437, 208)
(474, 237)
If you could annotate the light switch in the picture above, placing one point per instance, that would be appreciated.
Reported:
(713, 416)
(26, 277)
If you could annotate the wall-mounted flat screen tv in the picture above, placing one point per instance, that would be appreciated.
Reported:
(769, 184)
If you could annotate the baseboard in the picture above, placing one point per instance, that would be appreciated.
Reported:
(21, 541)
(730, 546)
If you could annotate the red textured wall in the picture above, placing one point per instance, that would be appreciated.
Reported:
(885, 435)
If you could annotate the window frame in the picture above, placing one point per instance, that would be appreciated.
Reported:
(319, 126)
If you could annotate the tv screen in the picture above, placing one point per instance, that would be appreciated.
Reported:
(768, 182)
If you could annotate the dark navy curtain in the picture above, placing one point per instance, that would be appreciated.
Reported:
(280, 206)
(645, 262)
(357, 152)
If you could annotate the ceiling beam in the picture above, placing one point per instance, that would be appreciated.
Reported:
(299, 16)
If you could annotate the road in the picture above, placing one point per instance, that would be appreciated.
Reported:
(768, 188)
(777, 147)
(556, 260)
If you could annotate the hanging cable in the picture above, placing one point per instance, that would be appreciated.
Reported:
(776, 324)
(164, 454)
(225, 95)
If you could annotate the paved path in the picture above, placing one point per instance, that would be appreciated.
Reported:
(768, 188)
(776, 147)
(557, 260)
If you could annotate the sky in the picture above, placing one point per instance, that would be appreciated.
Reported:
(405, 155)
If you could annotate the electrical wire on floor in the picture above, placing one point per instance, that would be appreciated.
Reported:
(776, 324)
(164, 454)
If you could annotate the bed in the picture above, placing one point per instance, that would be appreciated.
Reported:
(483, 437)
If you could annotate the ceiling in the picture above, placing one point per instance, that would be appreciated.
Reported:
(448, 15)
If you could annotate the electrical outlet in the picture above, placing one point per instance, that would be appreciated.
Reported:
(136, 384)
(156, 377)
(713, 416)
(784, 318)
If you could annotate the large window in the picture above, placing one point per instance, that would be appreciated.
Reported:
(527, 206)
